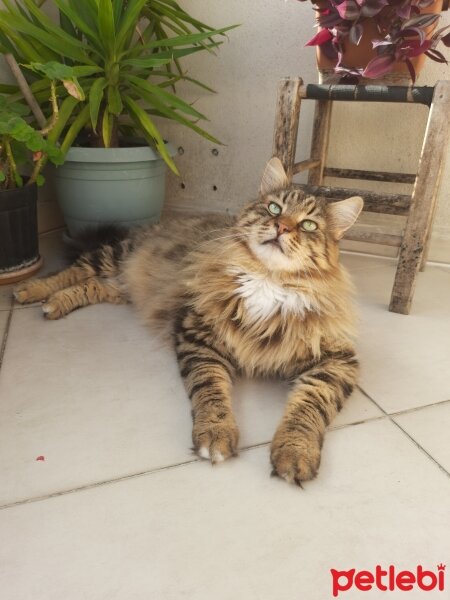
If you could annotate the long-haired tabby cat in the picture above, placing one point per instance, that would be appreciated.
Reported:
(260, 295)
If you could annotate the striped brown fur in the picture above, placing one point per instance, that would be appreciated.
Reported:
(260, 295)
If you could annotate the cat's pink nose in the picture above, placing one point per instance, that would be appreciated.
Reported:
(282, 227)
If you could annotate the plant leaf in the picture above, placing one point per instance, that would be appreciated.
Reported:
(436, 56)
(106, 24)
(186, 40)
(66, 111)
(378, 66)
(130, 17)
(107, 125)
(146, 124)
(370, 8)
(165, 111)
(77, 17)
(74, 49)
(356, 33)
(164, 96)
(80, 121)
(322, 36)
(115, 105)
(424, 20)
(74, 88)
(348, 10)
(95, 99)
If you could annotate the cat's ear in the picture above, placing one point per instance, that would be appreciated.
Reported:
(343, 214)
(274, 177)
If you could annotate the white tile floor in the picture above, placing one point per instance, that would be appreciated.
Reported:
(121, 509)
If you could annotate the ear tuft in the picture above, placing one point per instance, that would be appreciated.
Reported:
(344, 214)
(274, 177)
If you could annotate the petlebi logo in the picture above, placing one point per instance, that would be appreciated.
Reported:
(388, 580)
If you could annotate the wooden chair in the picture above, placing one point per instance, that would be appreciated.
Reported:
(419, 207)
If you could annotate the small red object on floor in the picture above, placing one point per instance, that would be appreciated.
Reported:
(40, 458)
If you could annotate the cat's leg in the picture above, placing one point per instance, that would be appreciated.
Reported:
(36, 290)
(91, 291)
(208, 377)
(317, 395)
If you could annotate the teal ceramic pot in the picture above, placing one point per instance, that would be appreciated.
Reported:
(97, 186)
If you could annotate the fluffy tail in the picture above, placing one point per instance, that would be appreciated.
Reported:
(93, 238)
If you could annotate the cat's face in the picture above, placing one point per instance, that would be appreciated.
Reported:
(288, 230)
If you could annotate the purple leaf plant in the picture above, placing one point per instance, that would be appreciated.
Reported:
(401, 26)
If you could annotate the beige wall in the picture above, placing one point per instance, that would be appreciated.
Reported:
(268, 45)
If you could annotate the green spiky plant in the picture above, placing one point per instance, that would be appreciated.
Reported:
(126, 55)
(24, 147)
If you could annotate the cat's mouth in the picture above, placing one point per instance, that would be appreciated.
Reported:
(274, 242)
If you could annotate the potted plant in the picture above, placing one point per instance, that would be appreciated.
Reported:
(376, 39)
(128, 66)
(24, 150)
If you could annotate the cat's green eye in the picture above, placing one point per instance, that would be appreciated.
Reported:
(308, 225)
(274, 209)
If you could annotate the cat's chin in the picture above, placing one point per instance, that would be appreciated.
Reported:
(272, 256)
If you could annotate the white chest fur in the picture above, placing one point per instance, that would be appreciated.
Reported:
(264, 298)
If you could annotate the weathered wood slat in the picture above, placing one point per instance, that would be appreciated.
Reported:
(370, 175)
(373, 237)
(368, 93)
(423, 202)
(393, 204)
(304, 165)
(320, 139)
(286, 123)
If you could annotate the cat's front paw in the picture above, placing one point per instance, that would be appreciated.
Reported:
(216, 441)
(53, 310)
(30, 291)
(295, 455)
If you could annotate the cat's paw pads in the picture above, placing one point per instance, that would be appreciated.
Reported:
(295, 457)
(216, 441)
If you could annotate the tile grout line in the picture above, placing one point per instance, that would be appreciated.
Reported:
(6, 332)
(399, 412)
(417, 408)
(196, 460)
(106, 482)
(415, 442)
(96, 484)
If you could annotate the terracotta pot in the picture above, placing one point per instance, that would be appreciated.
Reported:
(359, 55)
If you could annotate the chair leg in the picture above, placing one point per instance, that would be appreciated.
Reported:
(423, 200)
(286, 123)
(320, 139)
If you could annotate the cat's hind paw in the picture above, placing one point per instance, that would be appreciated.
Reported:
(30, 291)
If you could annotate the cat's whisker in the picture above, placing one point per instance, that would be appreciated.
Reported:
(224, 237)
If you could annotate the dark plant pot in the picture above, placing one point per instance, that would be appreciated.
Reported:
(359, 55)
(19, 250)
